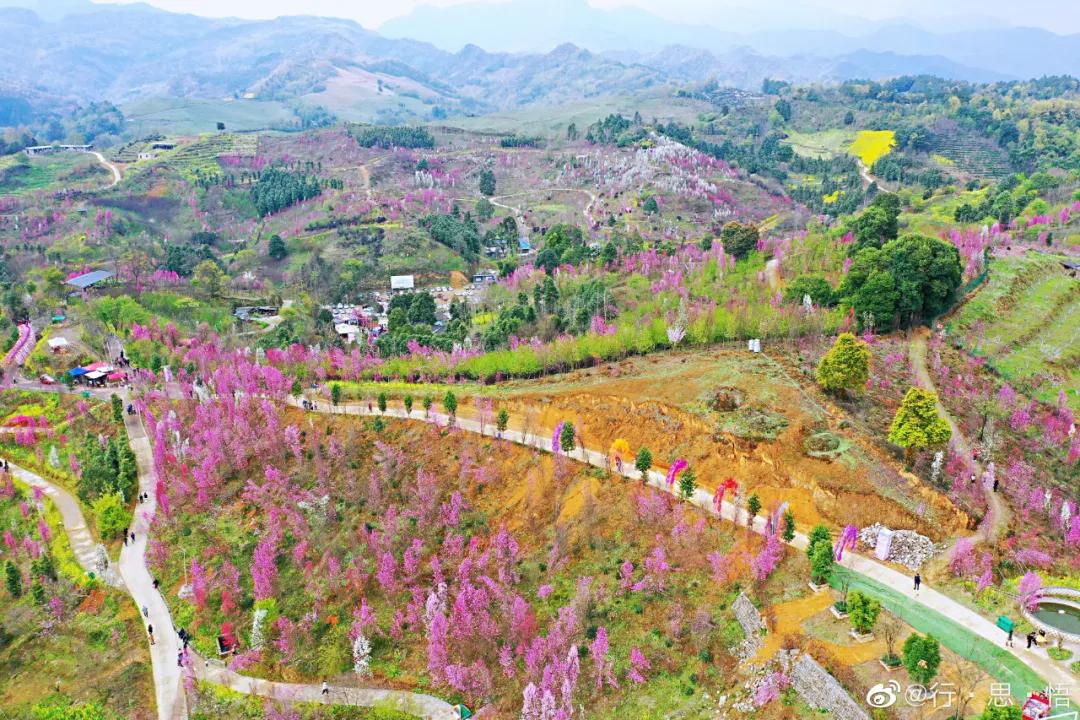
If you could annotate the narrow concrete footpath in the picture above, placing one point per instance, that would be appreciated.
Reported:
(1038, 661)
(82, 542)
(171, 700)
(417, 704)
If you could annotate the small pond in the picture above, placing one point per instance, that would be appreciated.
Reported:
(1065, 618)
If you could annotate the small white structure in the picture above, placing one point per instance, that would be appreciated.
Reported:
(147, 155)
(58, 344)
(347, 331)
(753, 345)
(402, 283)
(884, 544)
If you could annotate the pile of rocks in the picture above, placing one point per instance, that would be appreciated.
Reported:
(908, 548)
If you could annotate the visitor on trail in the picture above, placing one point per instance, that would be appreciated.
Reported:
(132, 537)
(150, 632)
(156, 583)
(145, 612)
(1009, 640)
(1030, 639)
(918, 582)
(180, 659)
(325, 690)
(972, 478)
(996, 481)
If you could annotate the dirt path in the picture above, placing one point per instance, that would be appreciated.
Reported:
(517, 211)
(972, 622)
(864, 173)
(108, 166)
(999, 510)
(365, 176)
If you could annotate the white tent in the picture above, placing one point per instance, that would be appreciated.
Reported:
(402, 282)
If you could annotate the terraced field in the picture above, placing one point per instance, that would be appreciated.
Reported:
(971, 154)
(1024, 323)
(202, 155)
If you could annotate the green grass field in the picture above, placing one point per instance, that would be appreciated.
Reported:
(823, 144)
(191, 116)
(46, 171)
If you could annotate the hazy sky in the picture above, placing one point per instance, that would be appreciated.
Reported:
(1061, 16)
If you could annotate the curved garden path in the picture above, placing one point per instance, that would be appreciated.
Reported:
(136, 578)
(1036, 660)
(999, 510)
(83, 545)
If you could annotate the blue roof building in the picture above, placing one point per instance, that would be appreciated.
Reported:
(91, 278)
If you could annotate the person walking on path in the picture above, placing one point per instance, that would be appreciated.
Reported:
(150, 632)
(1009, 640)
(918, 582)
(1030, 639)
(145, 612)
(325, 691)
(132, 537)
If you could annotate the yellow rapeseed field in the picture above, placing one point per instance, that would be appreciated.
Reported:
(872, 145)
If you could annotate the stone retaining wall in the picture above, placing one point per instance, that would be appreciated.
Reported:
(819, 689)
(750, 619)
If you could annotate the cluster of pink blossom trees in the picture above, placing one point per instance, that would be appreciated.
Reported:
(413, 568)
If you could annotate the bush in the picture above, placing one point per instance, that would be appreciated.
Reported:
(818, 288)
(1060, 654)
(112, 517)
(818, 533)
(821, 563)
(922, 656)
(846, 366)
(864, 611)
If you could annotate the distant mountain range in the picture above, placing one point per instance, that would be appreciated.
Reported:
(977, 45)
(72, 50)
